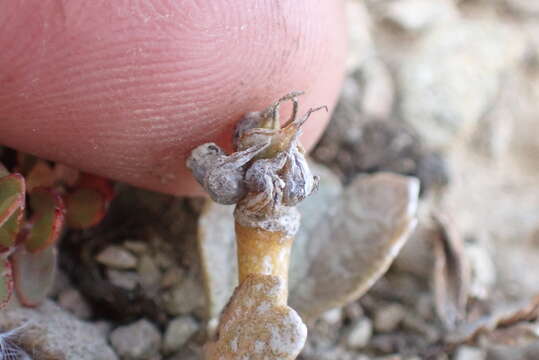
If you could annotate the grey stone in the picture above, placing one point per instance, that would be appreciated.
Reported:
(127, 280)
(445, 90)
(178, 331)
(185, 298)
(149, 273)
(72, 300)
(137, 247)
(117, 257)
(387, 318)
(138, 341)
(360, 334)
(367, 226)
(55, 334)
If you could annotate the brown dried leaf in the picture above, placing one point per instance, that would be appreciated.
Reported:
(504, 317)
(451, 274)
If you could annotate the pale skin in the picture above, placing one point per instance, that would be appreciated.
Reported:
(128, 89)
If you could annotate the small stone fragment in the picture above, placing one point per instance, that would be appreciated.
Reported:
(138, 341)
(117, 257)
(127, 280)
(179, 330)
(333, 316)
(360, 334)
(138, 247)
(173, 276)
(387, 318)
(417, 15)
(184, 298)
(72, 300)
(149, 273)
(469, 353)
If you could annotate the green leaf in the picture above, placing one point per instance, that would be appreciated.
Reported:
(12, 191)
(6, 282)
(33, 274)
(10, 229)
(87, 204)
(47, 222)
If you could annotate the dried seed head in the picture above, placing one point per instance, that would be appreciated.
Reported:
(267, 175)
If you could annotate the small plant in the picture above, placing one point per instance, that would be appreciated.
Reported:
(265, 177)
(37, 200)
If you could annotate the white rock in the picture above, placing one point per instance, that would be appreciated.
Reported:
(469, 353)
(178, 331)
(117, 257)
(138, 341)
(360, 334)
(149, 273)
(378, 89)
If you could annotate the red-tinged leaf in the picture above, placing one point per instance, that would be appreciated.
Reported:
(10, 229)
(40, 175)
(33, 274)
(88, 203)
(6, 282)
(12, 192)
(47, 221)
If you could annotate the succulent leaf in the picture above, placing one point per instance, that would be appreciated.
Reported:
(33, 274)
(47, 221)
(6, 282)
(40, 175)
(10, 229)
(12, 189)
(87, 204)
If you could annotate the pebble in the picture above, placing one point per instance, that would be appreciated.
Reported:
(388, 318)
(469, 353)
(171, 277)
(72, 300)
(333, 316)
(138, 341)
(138, 247)
(149, 272)
(127, 280)
(179, 330)
(184, 298)
(117, 257)
(360, 334)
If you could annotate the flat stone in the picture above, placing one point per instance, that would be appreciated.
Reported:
(138, 341)
(360, 334)
(368, 226)
(137, 247)
(55, 334)
(178, 331)
(117, 257)
(418, 15)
